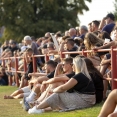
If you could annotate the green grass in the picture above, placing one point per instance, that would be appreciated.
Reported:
(12, 108)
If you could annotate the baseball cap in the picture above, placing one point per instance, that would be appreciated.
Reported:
(111, 16)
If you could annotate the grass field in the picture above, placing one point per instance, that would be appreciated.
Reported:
(12, 108)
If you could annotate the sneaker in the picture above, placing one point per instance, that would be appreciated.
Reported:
(25, 105)
(34, 110)
(13, 84)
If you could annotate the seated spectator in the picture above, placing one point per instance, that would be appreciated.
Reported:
(28, 56)
(82, 95)
(49, 85)
(3, 77)
(25, 91)
(97, 80)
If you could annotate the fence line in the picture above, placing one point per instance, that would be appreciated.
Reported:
(62, 55)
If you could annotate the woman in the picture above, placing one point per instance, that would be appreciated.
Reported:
(97, 79)
(91, 41)
(78, 92)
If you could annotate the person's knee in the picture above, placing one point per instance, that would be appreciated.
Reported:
(20, 91)
(36, 88)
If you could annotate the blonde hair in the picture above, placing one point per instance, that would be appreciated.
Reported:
(80, 66)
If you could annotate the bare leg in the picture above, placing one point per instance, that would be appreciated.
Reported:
(23, 82)
(14, 94)
(109, 104)
(113, 115)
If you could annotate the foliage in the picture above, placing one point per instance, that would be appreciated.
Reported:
(35, 17)
(115, 11)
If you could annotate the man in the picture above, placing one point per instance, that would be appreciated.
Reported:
(82, 30)
(70, 46)
(72, 33)
(90, 27)
(13, 46)
(109, 20)
(95, 25)
(30, 44)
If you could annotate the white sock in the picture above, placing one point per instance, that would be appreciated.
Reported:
(31, 97)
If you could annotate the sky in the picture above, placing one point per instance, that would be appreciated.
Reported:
(97, 10)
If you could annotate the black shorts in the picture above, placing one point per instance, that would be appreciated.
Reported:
(108, 56)
(27, 77)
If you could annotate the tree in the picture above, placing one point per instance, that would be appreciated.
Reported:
(35, 17)
(115, 11)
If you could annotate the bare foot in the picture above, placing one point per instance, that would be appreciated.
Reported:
(8, 97)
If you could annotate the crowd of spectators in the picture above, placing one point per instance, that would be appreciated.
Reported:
(67, 84)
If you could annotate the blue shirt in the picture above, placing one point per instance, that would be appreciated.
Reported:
(108, 28)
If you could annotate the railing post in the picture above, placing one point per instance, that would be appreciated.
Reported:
(16, 67)
(46, 58)
(114, 68)
(34, 64)
(10, 77)
(83, 53)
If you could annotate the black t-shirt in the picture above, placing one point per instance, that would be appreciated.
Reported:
(51, 75)
(84, 85)
(98, 83)
(5, 77)
(70, 75)
(73, 49)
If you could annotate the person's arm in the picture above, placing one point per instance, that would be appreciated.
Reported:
(61, 49)
(68, 85)
(112, 43)
(52, 52)
(37, 74)
(102, 23)
(58, 70)
(28, 60)
(21, 67)
(56, 79)
(105, 61)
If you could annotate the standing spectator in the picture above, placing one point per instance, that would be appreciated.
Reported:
(95, 25)
(109, 20)
(90, 27)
